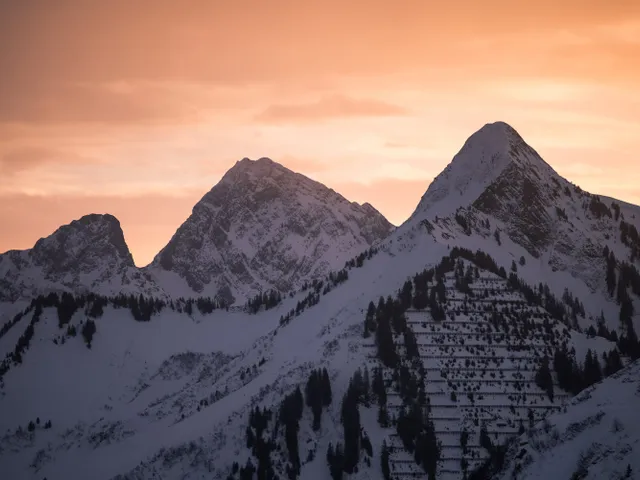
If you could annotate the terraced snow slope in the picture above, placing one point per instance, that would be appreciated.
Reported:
(481, 371)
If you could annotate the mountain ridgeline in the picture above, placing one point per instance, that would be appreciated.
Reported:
(286, 332)
(261, 227)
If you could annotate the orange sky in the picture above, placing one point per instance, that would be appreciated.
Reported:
(138, 108)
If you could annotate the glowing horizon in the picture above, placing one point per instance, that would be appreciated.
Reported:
(139, 109)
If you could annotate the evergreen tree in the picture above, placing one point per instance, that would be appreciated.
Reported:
(613, 363)
(406, 295)
(246, 472)
(411, 345)
(351, 423)
(464, 440)
(314, 397)
(366, 387)
(88, 330)
(290, 413)
(384, 341)
(592, 369)
(544, 380)
(384, 461)
(327, 395)
(335, 459)
(369, 320)
(421, 291)
(485, 440)
(383, 416)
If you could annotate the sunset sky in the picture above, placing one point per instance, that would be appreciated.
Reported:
(137, 108)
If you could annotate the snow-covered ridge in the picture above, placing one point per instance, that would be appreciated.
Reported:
(264, 226)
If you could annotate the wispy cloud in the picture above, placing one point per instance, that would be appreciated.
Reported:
(335, 106)
(28, 158)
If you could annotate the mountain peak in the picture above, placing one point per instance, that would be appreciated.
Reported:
(88, 254)
(85, 235)
(482, 158)
(262, 162)
(265, 226)
(493, 136)
(83, 245)
(263, 165)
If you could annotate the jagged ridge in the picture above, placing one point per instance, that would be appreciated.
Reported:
(89, 254)
(264, 226)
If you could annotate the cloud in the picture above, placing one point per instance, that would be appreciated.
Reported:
(40, 101)
(28, 158)
(335, 106)
(23, 159)
(56, 61)
(390, 144)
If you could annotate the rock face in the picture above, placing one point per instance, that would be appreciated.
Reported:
(89, 254)
(264, 226)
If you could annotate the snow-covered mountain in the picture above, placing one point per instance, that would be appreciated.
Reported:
(87, 255)
(498, 190)
(262, 227)
(454, 316)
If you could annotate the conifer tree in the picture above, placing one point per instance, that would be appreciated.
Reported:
(88, 330)
(544, 379)
(384, 461)
(327, 395)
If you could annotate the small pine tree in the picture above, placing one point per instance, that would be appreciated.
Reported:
(383, 416)
(327, 395)
(384, 461)
(88, 330)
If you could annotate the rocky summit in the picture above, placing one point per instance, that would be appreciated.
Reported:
(262, 227)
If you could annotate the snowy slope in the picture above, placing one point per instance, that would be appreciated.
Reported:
(596, 436)
(263, 226)
(89, 254)
(132, 353)
(171, 398)
(122, 402)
